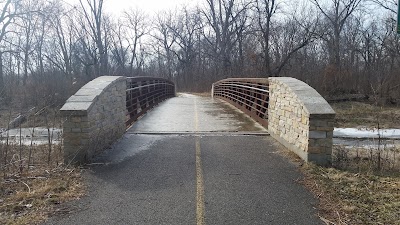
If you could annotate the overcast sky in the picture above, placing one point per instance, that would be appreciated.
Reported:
(149, 6)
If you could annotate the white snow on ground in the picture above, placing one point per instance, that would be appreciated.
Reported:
(37, 136)
(366, 133)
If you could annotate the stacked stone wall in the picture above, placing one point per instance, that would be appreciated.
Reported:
(301, 119)
(94, 118)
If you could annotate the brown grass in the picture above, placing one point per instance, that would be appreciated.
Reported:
(352, 196)
(357, 114)
(30, 193)
(359, 159)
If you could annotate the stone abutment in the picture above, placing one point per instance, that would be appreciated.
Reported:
(301, 119)
(94, 118)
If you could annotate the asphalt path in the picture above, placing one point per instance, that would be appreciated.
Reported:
(195, 166)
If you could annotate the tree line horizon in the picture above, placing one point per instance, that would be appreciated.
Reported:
(49, 49)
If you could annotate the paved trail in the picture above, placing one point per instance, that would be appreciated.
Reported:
(184, 163)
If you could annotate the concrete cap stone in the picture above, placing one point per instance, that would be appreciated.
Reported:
(79, 108)
(313, 102)
(88, 92)
(82, 98)
(85, 97)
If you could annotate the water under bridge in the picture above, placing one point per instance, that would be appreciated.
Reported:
(195, 159)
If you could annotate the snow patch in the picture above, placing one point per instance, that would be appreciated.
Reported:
(366, 133)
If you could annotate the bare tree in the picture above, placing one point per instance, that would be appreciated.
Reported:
(336, 15)
(8, 12)
(222, 17)
(265, 10)
(92, 11)
(30, 22)
(281, 38)
(62, 28)
(390, 5)
(166, 39)
(119, 49)
(135, 22)
(186, 30)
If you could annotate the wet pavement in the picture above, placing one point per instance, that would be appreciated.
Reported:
(179, 115)
(193, 160)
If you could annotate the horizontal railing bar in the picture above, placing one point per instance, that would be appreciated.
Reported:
(147, 96)
(153, 94)
(243, 86)
(241, 93)
(143, 78)
(238, 93)
(251, 95)
(149, 85)
(250, 80)
(250, 84)
(243, 102)
(237, 100)
(143, 93)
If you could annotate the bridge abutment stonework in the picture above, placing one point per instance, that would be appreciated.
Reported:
(301, 119)
(98, 114)
(295, 114)
(94, 118)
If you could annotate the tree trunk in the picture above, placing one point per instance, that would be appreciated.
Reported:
(2, 90)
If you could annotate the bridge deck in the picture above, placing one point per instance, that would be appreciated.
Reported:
(192, 160)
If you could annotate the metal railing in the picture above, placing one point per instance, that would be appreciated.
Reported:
(143, 93)
(250, 95)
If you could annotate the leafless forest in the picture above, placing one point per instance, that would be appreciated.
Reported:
(49, 48)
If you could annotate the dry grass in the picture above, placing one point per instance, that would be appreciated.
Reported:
(358, 159)
(354, 198)
(355, 194)
(357, 114)
(31, 197)
(29, 193)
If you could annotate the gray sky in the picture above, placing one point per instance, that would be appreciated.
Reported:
(149, 6)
